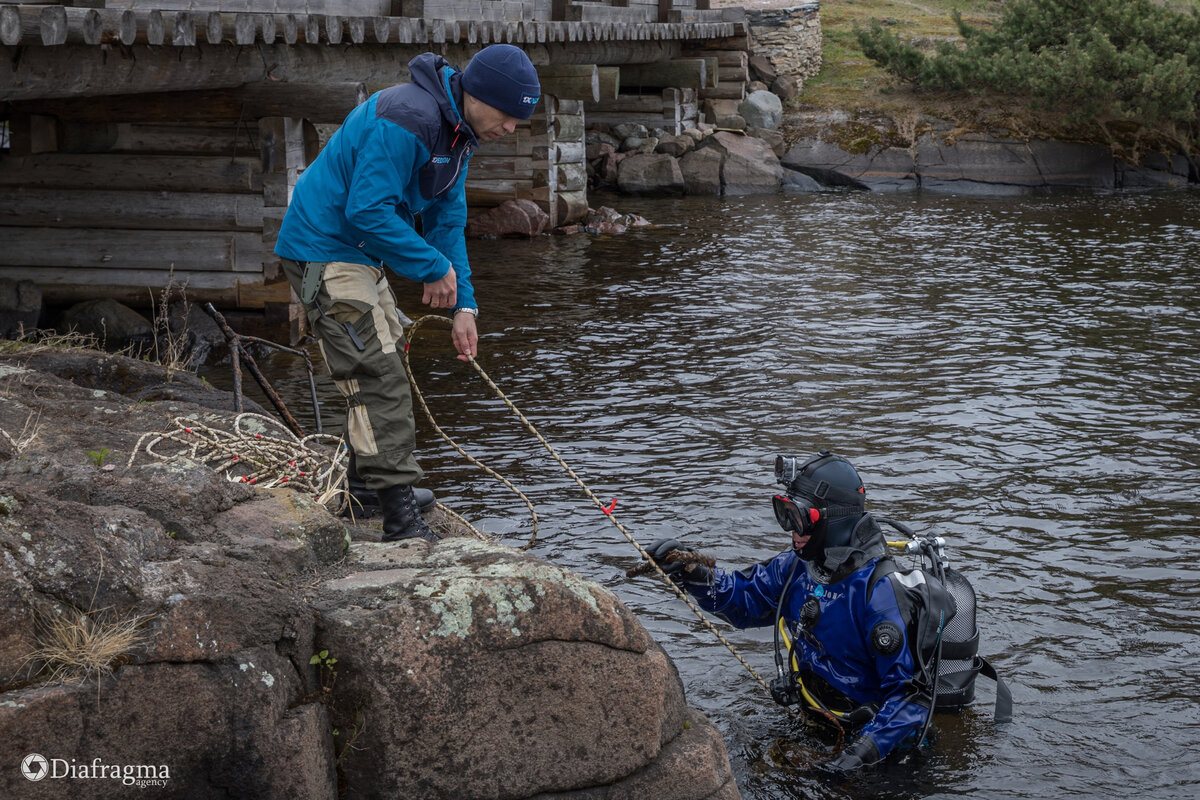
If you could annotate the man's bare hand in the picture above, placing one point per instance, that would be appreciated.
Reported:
(464, 336)
(441, 293)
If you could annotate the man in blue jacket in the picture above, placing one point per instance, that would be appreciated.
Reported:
(849, 657)
(400, 155)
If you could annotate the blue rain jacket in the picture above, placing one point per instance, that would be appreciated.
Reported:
(842, 652)
(401, 154)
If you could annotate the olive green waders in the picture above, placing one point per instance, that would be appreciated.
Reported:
(352, 313)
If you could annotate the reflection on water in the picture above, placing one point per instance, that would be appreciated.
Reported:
(1020, 375)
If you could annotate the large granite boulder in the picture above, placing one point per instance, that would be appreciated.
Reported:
(650, 174)
(702, 171)
(762, 109)
(748, 166)
(243, 641)
(471, 670)
(114, 326)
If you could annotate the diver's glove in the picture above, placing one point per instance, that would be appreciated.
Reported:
(854, 756)
(682, 574)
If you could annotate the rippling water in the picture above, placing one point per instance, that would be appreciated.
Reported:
(1021, 375)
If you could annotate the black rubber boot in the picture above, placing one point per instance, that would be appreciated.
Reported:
(364, 503)
(401, 517)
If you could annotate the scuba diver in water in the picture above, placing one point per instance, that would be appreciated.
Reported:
(867, 641)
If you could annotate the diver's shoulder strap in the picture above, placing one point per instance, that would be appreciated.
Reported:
(1003, 695)
(886, 565)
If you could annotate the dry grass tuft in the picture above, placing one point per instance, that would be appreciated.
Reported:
(170, 346)
(38, 341)
(28, 435)
(80, 645)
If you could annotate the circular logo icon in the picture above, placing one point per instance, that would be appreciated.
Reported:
(35, 767)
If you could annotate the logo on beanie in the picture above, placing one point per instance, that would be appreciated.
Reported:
(529, 99)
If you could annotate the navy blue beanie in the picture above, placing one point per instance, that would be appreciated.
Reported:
(503, 77)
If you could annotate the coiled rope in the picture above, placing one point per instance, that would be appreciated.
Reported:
(263, 451)
(257, 450)
(606, 510)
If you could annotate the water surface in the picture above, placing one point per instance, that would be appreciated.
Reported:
(1020, 375)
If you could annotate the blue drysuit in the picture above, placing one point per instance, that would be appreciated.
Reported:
(844, 646)
(401, 154)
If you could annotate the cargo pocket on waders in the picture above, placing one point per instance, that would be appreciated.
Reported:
(349, 348)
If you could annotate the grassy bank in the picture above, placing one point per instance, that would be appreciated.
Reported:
(850, 82)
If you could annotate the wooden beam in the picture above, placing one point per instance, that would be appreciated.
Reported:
(130, 286)
(57, 208)
(137, 172)
(680, 72)
(98, 248)
(319, 103)
(611, 52)
(575, 81)
(610, 82)
(224, 139)
(86, 71)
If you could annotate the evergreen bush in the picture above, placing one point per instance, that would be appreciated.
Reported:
(1095, 60)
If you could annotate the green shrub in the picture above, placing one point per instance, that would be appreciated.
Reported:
(1094, 60)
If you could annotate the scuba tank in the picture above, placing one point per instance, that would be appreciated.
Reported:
(938, 606)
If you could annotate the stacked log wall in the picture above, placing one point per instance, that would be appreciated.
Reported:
(120, 196)
(116, 194)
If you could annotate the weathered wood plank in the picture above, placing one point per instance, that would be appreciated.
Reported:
(580, 52)
(319, 103)
(345, 8)
(725, 58)
(96, 248)
(149, 173)
(443, 9)
(734, 91)
(733, 75)
(520, 142)
(560, 152)
(190, 140)
(130, 286)
(58, 208)
(568, 127)
(576, 81)
(696, 15)
(634, 103)
(651, 121)
(596, 12)
(500, 168)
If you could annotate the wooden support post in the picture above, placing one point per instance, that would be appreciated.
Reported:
(284, 156)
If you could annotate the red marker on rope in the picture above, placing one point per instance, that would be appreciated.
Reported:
(608, 509)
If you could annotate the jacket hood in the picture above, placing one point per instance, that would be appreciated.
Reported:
(438, 76)
(867, 543)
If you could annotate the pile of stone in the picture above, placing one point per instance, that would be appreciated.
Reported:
(736, 153)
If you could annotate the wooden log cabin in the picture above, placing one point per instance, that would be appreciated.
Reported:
(144, 142)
